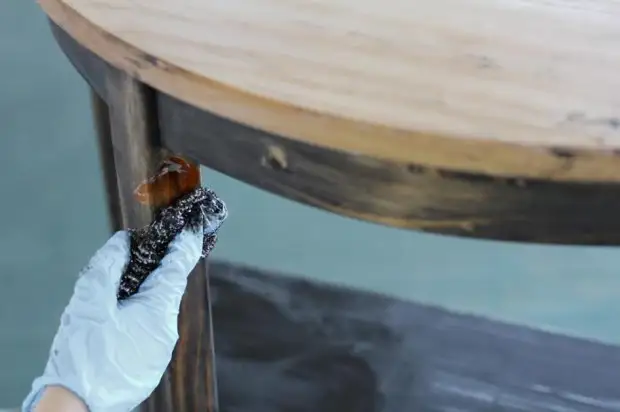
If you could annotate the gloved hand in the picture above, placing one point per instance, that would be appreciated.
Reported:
(112, 355)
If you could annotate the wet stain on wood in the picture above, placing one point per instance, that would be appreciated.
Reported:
(404, 195)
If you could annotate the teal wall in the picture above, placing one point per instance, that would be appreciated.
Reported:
(52, 215)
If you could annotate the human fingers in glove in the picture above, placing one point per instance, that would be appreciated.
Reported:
(109, 355)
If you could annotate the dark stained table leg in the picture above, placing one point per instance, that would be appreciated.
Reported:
(130, 152)
(101, 118)
(192, 376)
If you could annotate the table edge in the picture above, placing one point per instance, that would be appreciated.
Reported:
(494, 158)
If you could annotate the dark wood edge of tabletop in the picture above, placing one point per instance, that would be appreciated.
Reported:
(401, 195)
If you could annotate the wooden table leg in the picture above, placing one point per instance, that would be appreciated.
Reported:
(130, 150)
(101, 118)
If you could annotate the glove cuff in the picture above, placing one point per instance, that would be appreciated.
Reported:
(32, 400)
(38, 389)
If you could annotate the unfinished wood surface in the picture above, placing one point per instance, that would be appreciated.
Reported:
(137, 153)
(286, 344)
(508, 88)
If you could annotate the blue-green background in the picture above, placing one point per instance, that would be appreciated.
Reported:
(53, 217)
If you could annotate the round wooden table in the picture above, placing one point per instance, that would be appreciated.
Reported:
(489, 119)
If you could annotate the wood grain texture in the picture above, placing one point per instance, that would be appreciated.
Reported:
(285, 344)
(453, 84)
(135, 140)
(137, 152)
(101, 118)
(400, 194)
(190, 384)
(396, 194)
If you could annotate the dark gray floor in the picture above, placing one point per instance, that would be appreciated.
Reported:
(308, 346)
(53, 218)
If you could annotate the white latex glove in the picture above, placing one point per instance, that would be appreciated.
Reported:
(112, 355)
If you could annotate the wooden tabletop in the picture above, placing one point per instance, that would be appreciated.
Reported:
(500, 87)
(497, 119)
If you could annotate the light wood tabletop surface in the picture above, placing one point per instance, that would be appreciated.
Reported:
(498, 87)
